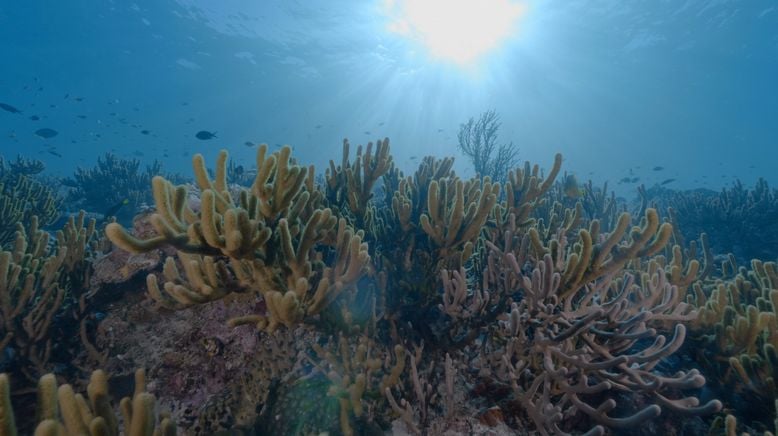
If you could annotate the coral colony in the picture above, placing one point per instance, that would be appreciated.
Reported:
(370, 300)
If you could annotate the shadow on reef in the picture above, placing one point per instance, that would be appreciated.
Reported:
(369, 300)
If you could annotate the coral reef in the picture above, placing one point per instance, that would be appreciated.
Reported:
(112, 182)
(365, 299)
(738, 220)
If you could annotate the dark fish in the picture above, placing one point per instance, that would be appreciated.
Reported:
(381, 123)
(248, 144)
(440, 130)
(35, 118)
(145, 132)
(278, 145)
(54, 153)
(83, 117)
(413, 157)
(66, 96)
(115, 208)
(624, 180)
(205, 135)
(46, 133)
(664, 182)
(318, 126)
(634, 180)
(658, 168)
(367, 132)
(9, 108)
(79, 99)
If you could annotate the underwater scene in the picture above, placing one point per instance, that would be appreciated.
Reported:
(388, 217)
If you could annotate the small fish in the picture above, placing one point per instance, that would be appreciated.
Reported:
(144, 132)
(413, 157)
(248, 144)
(9, 108)
(54, 153)
(440, 130)
(634, 180)
(213, 346)
(46, 133)
(115, 208)
(35, 118)
(79, 99)
(665, 182)
(83, 117)
(66, 96)
(205, 135)
(658, 168)
(318, 126)
(381, 123)
(367, 132)
(624, 180)
(277, 145)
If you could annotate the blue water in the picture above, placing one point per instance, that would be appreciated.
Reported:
(617, 86)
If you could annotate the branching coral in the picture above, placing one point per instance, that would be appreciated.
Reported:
(112, 182)
(738, 220)
(478, 141)
(22, 197)
(272, 241)
(738, 332)
(62, 411)
(575, 332)
(38, 282)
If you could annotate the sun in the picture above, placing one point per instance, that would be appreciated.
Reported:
(460, 31)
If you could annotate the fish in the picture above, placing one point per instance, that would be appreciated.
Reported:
(8, 108)
(413, 157)
(115, 208)
(35, 118)
(248, 144)
(665, 182)
(79, 99)
(54, 153)
(571, 188)
(367, 132)
(658, 168)
(318, 126)
(46, 133)
(205, 135)
(144, 132)
(634, 180)
(624, 180)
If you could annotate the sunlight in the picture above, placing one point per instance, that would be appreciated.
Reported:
(460, 31)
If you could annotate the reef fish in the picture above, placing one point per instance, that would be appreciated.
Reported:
(205, 135)
(46, 133)
(35, 118)
(665, 182)
(9, 108)
(658, 168)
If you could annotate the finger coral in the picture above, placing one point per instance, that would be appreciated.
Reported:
(270, 241)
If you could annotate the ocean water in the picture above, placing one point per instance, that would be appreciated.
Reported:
(677, 96)
(617, 87)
